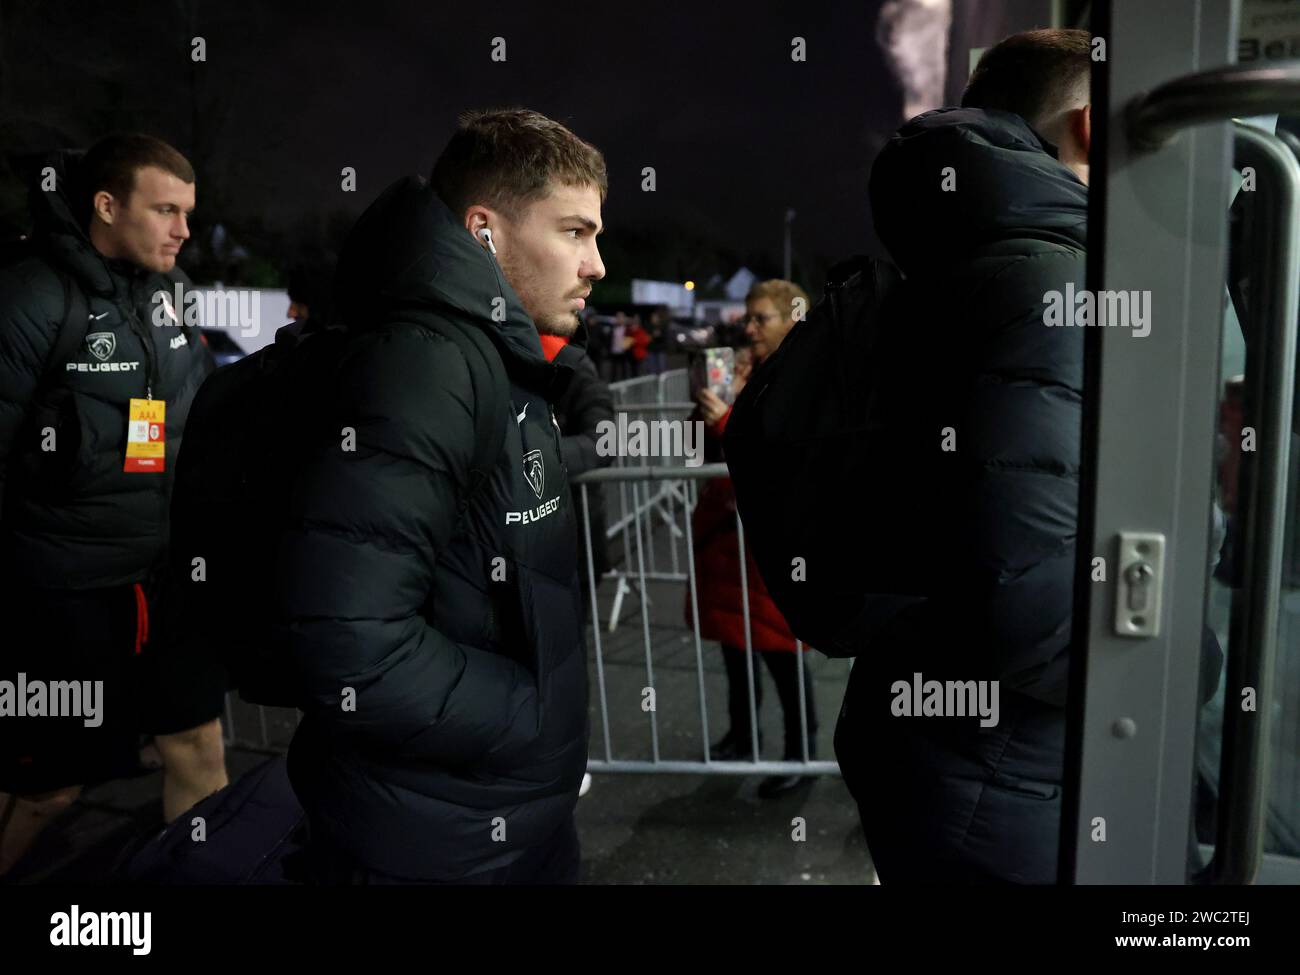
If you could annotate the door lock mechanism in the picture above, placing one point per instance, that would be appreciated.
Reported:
(1138, 583)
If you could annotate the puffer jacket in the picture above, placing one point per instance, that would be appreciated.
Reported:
(458, 639)
(72, 517)
(975, 368)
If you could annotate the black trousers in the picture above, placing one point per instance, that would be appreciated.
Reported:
(783, 666)
(557, 861)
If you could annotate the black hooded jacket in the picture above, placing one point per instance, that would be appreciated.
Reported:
(442, 666)
(983, 221)
(72, 517)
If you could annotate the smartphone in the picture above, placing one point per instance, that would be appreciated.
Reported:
(712, 369)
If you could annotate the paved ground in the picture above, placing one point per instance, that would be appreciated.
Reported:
(635, 828)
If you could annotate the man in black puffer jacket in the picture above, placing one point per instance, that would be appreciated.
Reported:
(441, 659)
(984, 209)
(84, 520)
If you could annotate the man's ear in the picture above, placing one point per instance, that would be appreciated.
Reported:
(1083, 128)
(476, 218)
(103, 206)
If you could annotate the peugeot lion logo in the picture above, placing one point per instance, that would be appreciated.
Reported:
(102, 345)
(535, 471)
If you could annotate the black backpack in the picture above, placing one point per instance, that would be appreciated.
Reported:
(811, 448)
(253, 832)
(251, 424)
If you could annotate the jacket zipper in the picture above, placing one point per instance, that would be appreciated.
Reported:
(150, 353)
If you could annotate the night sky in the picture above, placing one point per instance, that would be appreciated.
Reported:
(706, 93)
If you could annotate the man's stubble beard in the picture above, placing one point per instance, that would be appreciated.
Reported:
(563, 324)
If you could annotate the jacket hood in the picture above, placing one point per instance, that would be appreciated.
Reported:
(59, 231)
(408, 250)
(1007, 183)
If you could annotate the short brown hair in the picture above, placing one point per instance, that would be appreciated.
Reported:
(111, 163)
(1037, 74)
(780, 293)
(506, 159)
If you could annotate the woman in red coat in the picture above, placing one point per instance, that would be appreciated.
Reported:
(770, 311)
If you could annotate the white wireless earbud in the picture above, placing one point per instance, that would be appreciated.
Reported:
(486, 235)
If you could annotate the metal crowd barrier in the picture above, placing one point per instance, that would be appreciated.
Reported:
(647, 397)
(637, 479)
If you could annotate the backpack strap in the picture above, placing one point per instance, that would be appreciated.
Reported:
(68, 339)
(491, 399)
